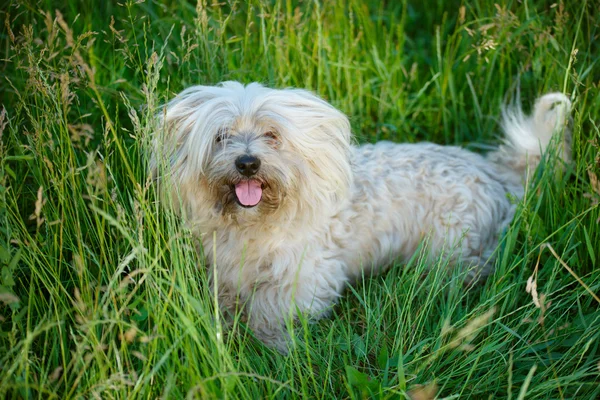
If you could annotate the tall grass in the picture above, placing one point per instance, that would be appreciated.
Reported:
(103, 293)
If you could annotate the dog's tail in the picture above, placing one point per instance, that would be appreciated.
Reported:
(528, 137)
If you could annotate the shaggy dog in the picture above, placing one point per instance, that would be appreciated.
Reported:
(289, 211)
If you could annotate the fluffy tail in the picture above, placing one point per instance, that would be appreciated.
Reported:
(528, 137)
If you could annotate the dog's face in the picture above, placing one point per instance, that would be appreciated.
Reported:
(248, 153)
(249, 169)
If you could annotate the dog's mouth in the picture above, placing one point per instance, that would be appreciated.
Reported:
(248, 193)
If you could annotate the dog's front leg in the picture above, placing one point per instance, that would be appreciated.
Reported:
(268, 310)
(272, 305)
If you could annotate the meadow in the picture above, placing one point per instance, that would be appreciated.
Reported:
(103, 293)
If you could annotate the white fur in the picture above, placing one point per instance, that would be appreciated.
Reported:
(331, 211)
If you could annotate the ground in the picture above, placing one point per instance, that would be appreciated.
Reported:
(102, 293)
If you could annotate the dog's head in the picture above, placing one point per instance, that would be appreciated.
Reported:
(250, 153)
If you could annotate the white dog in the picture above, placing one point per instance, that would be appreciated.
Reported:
(296, 211)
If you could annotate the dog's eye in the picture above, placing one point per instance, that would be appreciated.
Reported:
(221, 135)
(272, 137)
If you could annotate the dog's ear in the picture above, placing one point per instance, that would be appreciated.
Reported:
(180, 146)
(323, 135)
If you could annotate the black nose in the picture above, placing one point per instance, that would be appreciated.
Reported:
(247, 165)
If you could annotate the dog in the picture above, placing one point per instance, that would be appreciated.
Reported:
(289, 211)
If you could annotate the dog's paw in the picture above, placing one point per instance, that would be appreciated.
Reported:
(479, 270)
(276, 338)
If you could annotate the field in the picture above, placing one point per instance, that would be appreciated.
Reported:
(102, 291)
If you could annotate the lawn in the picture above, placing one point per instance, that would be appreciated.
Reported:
(103, 293)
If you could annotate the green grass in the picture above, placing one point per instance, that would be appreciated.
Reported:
(102, 292)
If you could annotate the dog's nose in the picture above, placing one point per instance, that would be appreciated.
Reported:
(247, 165)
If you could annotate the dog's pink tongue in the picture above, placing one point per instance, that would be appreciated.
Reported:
(249, 192)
